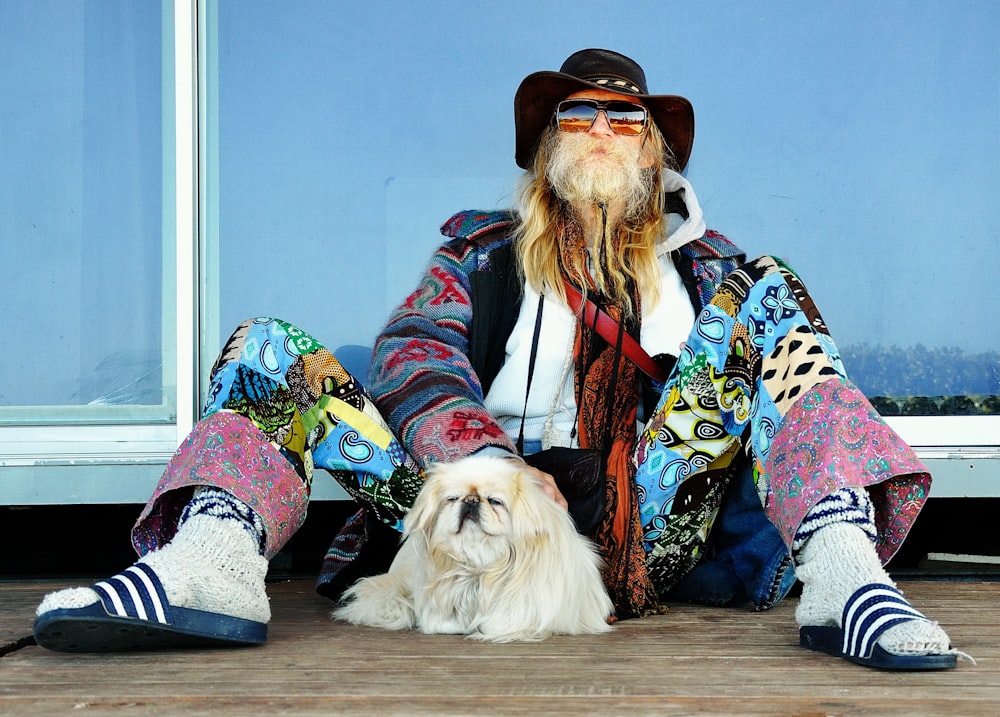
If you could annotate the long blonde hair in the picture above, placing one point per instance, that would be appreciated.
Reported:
(542, 214)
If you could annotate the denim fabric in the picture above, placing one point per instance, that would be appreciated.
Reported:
(745, 559)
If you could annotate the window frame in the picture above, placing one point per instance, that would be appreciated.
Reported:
(43, 461)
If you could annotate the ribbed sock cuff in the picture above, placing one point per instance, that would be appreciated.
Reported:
(847, 505)
(211, 501)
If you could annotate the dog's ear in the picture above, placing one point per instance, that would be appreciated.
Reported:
(533, 513)
(423, 513)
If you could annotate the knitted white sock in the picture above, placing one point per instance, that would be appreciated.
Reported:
(834, 562)
(213, 563)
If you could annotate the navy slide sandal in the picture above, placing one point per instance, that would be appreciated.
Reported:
(869, 612)
(133, 614)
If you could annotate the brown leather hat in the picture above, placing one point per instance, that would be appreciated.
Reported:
(539, 93)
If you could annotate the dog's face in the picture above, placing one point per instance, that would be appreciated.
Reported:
(476, 519)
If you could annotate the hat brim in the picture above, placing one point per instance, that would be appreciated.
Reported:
(540, 92)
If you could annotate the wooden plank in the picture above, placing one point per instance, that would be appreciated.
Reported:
(693, 660)
(474, 705)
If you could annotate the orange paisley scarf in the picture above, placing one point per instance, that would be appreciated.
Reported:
(609, 421)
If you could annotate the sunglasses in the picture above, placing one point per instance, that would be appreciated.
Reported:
(624, 117)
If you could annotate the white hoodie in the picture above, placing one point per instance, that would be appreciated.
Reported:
(551, 406)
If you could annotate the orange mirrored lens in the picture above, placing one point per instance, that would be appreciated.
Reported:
(576, 117)
(629, 119)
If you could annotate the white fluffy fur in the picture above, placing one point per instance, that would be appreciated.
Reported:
(518, 571)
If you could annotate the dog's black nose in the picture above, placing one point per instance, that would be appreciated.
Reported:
(470, 508)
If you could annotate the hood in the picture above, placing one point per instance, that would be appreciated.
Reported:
(681, 231)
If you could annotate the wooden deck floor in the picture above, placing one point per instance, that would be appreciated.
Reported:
(693, 660)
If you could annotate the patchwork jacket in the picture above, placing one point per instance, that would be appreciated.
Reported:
(441, 348)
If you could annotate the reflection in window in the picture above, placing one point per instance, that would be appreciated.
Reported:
(82, 203)
(921, 381)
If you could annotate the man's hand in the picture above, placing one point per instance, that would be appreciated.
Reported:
(547, 481)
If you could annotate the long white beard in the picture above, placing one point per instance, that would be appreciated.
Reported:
(580, 175)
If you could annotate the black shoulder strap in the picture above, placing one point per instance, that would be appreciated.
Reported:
(536, 333)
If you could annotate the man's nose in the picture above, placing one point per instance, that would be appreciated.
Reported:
(601, 127)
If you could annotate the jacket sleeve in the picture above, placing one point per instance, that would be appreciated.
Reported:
(704, 263)
(421, 378)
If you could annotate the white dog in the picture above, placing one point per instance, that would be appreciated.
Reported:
(486, 554)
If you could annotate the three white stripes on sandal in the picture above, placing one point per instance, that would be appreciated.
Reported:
(140, 589)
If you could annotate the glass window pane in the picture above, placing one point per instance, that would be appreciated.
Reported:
(85, 195)
(856, 140)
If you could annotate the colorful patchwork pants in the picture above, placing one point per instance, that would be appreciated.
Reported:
(280, 405)
(759, 379)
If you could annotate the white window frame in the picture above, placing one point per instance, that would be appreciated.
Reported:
(56, 463)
